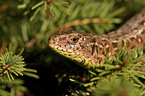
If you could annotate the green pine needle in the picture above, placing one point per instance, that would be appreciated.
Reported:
(11, 65)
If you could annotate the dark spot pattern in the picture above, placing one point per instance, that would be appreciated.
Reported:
(132, 38)
(122, 43)
(68, 42)
(75, 39)
(100, 43)
(114, 44)
(143, 32)
(93, 49)
(132, 47)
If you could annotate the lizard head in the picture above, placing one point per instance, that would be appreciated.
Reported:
(65, 39)
(74, 45)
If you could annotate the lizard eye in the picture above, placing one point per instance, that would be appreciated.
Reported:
(75, 39)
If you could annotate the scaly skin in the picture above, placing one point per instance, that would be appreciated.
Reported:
(91, 49)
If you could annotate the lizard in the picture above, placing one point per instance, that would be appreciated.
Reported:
(89, 49)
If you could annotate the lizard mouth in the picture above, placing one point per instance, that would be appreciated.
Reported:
(68, 53)
(65, 52)
(58, 48)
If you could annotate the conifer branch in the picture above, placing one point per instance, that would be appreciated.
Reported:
(11, 65)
